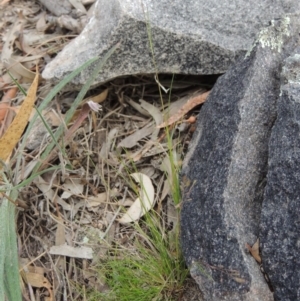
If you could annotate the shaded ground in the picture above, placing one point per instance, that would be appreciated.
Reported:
(79, 204)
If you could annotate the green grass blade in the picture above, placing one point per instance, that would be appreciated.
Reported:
(33, 176)
(11, 268)
(54, 91)
(77, 101)
(46, 102)
(9, 264)
(2, 247)
(17, 83)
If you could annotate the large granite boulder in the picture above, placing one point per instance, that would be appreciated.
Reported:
(224, 174)
(280, 220)
(190, 36)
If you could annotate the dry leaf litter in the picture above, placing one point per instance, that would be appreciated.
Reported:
(115, 157)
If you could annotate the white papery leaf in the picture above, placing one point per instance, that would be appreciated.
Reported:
(143, 203)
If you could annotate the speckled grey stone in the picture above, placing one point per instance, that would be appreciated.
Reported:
(280, 220)
(58, 8)
(190, 36)
(224, 172)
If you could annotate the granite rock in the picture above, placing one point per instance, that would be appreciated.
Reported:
(224, 173)
(280, 219)
(58, 8)
(189, 37)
